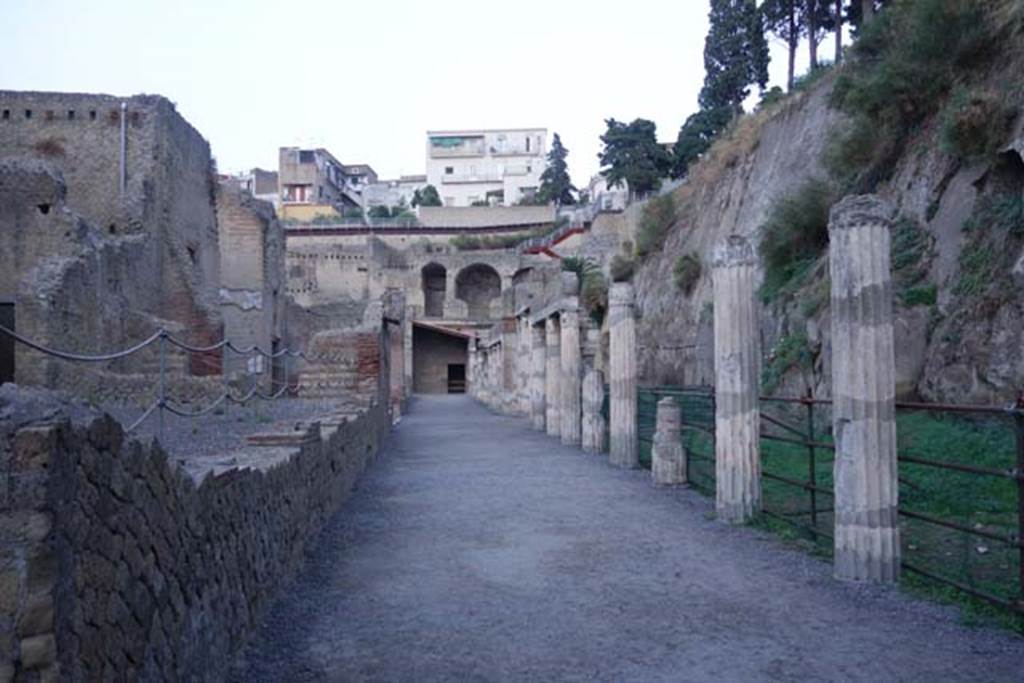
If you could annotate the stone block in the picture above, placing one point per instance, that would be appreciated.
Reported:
(37, 616)
(34, 447)
(38, 651)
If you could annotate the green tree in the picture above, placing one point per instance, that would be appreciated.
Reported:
(428, 196)
(784, 19)
(632, 154)
(735, 55)
(555, 184)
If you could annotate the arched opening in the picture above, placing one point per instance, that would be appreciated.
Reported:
(435, 279)
(478, 285)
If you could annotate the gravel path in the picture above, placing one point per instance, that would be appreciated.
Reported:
(477, 549)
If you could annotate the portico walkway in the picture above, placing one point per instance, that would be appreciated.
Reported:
(477, 549)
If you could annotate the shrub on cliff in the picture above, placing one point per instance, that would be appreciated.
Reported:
(794, 235)
(687, 272)
(622, 268)
(656, 220)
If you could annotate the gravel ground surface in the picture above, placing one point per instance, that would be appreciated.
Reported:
(213, 434)
(477, 549)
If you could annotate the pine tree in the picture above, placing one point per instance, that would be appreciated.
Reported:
(555, 184)
(735, 55)
(632, 154)
(784, 19)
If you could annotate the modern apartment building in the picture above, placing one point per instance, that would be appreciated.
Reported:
(497, 167)
(313, 182)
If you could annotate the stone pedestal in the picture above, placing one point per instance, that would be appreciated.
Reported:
(623, 449)
(570, 411)
(867, 537)
(668, 458)
(552, 377)
(737, 382)
(593, 424)
(538, 385)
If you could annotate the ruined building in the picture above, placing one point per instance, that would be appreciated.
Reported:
(107, 226)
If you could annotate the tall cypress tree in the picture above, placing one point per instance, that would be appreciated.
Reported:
(735, 56)
(555, 184)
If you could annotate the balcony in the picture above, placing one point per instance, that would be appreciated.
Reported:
(470, 178)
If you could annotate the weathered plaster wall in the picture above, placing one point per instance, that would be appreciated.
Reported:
(118, 564)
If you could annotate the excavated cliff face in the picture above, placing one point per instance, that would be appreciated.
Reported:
(967, 346)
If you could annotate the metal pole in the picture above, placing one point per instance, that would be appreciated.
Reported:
(1018, 421)
(123, 177)
(163, 378)
(811, 465)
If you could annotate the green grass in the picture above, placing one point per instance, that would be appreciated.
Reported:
(656, 220)
(793, 238)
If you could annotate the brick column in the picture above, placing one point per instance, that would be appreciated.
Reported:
(668, 458)
(571, 377)
(867, 535)
(552, 375)
(737, 382)
(622, 376)
(538, 383)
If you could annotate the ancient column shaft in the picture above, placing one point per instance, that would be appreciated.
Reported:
(538, 383)
(668, 458)
(737, 382)
(623, 449)
(593, 424)
(570, 411)
(867, 536)
(553, 372)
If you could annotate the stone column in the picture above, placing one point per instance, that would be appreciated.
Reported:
(524, 364)
(668, 458)
(867, 533)
(571, 380)
(472, 376)
(593, 424)
(622, 376)
(538, 383)
(553, 367)
(737, 382)
(407, 332)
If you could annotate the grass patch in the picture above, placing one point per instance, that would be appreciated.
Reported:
(687, 272)
(793, 237)
(593, 286)
(657, 217)
(975, 123)
(911, 252)
(994, 232)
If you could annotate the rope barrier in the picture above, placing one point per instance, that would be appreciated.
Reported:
(161, 404)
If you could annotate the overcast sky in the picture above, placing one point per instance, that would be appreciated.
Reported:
(366, 79)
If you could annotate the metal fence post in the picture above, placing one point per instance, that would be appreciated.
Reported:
(163, 378)
(1018, 423)
(812, 477)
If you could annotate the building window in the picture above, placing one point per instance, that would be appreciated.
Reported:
(306, 156)
(28, 113)
(448, 170)
(7, 114)
(92, 114)
(71, 114)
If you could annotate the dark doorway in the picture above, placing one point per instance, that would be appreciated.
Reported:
(435, 280)
(456, 379)
(7, 343)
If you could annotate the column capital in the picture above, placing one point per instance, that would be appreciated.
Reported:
(734, 250)
(857, 211)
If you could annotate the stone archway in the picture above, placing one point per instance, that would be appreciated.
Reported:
(435, 282)
(478, 285)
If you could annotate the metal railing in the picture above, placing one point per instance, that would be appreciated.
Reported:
(961, 481)
(163, 339)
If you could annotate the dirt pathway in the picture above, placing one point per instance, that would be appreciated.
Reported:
(479, 550)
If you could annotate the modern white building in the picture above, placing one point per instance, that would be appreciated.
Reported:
(497, 167)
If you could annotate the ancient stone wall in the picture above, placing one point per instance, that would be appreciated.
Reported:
(251, 276)
(119, 564)
(82, 251)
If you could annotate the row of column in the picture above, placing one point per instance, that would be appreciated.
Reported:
(565, 391)
(867, 536)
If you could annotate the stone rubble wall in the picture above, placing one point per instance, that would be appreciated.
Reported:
(117, 564)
